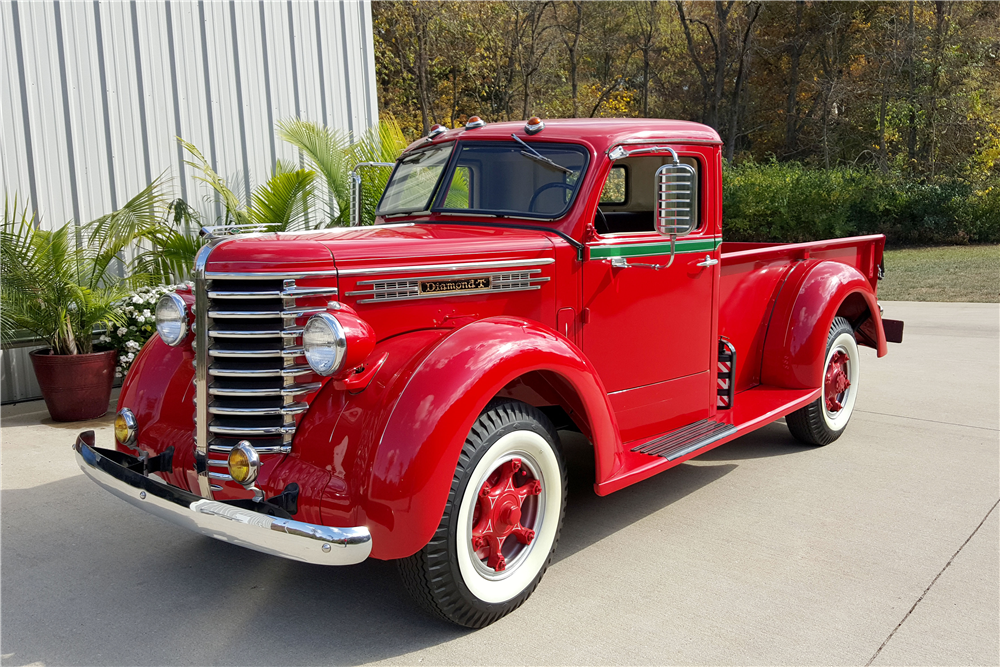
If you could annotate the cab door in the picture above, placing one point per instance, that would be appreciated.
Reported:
(647, 320)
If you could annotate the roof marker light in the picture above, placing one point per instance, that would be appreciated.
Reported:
(435, 130)
(534, 125)
(474, 122)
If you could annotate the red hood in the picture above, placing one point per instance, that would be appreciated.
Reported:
(380, 245)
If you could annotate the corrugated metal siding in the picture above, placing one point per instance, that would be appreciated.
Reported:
(96, 92)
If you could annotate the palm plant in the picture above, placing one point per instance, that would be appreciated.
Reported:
(288, 201)
(175, 243)
(281, 204)
(60, 284)
(333, 155)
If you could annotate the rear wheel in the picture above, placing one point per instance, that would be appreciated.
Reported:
(824, 420)
(501, 523)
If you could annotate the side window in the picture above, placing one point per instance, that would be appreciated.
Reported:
(460, 190)
(615, 190)
(628, 199)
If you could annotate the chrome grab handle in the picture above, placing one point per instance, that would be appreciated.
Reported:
(622, 263)
(708, 261)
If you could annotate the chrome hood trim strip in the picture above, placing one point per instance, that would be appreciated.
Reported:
(263, 275)
(452, 266)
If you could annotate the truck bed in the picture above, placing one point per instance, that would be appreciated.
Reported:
(752, 276)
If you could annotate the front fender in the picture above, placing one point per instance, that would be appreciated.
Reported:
(413, 467)
(810, 298)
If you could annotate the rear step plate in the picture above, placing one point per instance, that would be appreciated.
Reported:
(685, 440)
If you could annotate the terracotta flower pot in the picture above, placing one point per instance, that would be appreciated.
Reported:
(75, 386)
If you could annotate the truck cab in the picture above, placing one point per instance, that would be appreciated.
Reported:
(396, 390)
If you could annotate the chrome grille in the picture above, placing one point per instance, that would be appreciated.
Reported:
(257, 381)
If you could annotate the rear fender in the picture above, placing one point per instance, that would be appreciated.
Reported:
(413, 467)
(813, 294)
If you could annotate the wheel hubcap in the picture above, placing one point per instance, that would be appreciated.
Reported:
(837, 381)
(505, 498)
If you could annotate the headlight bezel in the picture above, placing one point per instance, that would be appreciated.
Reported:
(131, 427)
(336, 330)
(182, 309)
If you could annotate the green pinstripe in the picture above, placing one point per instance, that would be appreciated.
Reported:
(658, 248)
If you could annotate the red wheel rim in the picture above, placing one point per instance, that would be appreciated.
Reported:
(836, 381)
(505, 502)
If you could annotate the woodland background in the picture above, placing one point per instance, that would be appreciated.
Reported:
(893, 106)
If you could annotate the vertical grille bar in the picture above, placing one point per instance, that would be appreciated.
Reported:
(201, 368)
(287, 343)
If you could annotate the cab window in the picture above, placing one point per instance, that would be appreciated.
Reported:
(627, 202)
(615, 187)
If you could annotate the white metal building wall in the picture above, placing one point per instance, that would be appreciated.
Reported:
(94, 94)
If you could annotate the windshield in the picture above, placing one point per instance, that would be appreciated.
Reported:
(526, 180)
(534, 181)
(414, 181)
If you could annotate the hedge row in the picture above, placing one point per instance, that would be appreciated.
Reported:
(788, 202)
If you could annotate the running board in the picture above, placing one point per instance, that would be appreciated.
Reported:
(753, 408)
(685, 440)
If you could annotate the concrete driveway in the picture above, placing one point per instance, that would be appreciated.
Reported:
(881, 548)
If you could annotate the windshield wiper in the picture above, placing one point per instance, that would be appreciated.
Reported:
(532, 154)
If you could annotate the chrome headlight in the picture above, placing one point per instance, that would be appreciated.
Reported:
(171, 319)
(324, 343)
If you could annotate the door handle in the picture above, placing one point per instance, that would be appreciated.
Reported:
(622, 263)
(708, 261)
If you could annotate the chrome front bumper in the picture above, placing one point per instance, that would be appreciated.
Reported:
(306, 542)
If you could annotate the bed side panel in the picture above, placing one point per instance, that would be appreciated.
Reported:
(748, 289)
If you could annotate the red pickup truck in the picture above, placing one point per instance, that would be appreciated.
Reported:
(395, 391)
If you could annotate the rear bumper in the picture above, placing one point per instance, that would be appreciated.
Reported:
(306, 542)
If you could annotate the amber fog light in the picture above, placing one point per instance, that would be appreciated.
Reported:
(244, 463)
(125, 427)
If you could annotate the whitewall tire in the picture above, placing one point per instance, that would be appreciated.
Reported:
(501, 523)
(824, 420)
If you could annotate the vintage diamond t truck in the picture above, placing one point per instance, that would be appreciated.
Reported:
(394, 391)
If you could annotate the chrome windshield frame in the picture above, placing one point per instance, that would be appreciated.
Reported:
(401, 161)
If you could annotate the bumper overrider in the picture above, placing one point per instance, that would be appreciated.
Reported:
(306, 542)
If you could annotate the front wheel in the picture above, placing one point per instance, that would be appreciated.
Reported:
(501, 523)
(824, 420)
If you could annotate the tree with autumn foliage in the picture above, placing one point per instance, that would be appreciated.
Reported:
(910, 87)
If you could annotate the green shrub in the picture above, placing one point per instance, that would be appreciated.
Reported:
(775, 202)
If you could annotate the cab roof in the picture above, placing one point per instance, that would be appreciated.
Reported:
(601, 133)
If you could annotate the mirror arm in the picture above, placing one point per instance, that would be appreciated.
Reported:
(618, 152)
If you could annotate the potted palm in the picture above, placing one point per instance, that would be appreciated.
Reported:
(59, 285)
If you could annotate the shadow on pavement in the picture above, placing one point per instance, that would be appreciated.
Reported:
(771, 440)
(88, 580)
(591, 518)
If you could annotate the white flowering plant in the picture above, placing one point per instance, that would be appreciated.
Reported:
(128, 338)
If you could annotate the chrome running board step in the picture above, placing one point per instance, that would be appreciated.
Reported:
(685, 440)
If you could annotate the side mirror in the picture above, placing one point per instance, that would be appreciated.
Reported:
(674, 190)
